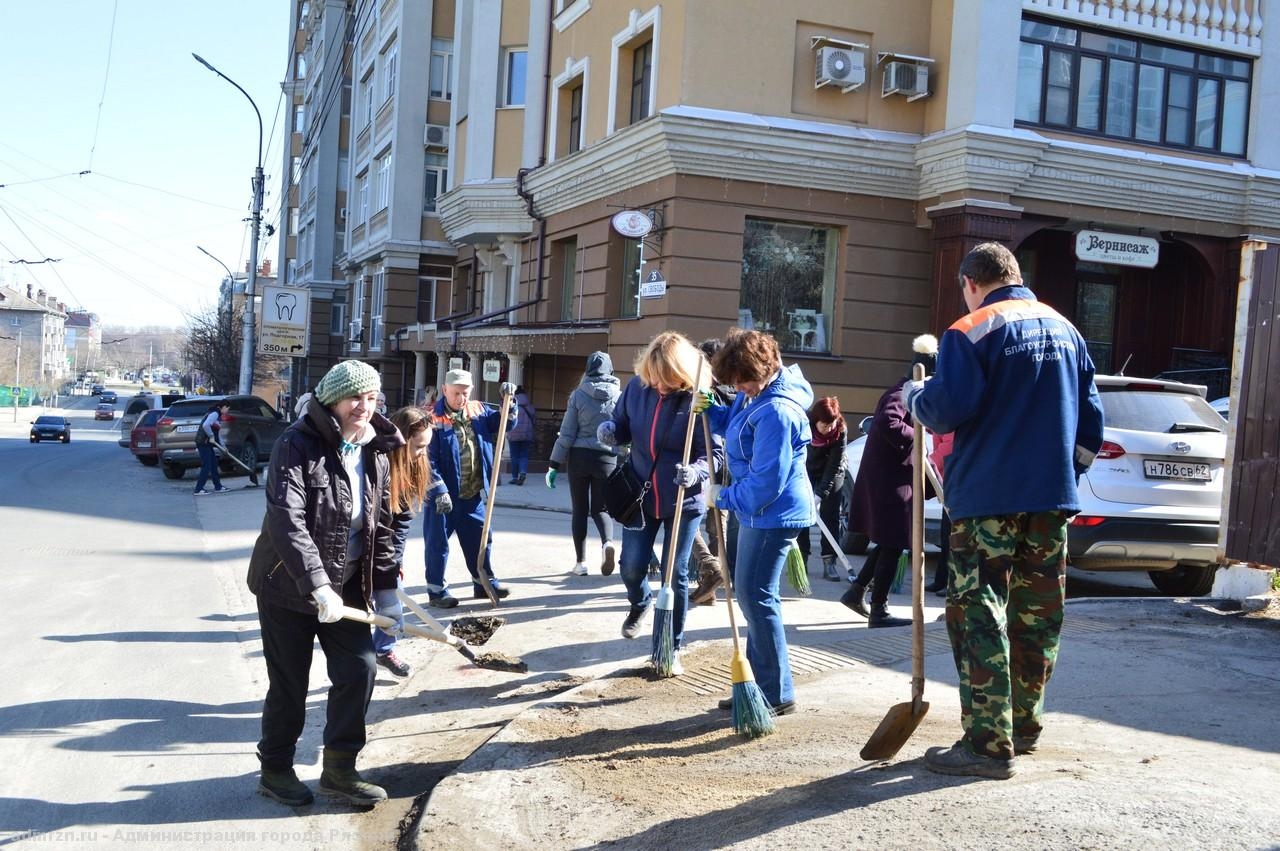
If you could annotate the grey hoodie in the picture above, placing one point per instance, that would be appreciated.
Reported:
(590, 404)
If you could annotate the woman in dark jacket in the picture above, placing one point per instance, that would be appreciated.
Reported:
(590, 462)
(825, 466)
(520, 437)
(326, 542)
(652, 415)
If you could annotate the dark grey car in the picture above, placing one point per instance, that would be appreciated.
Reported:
(248, 430)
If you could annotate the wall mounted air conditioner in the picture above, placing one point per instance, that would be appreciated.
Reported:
(904, 75)
(839, 66)
(342, 214)
(437, 136)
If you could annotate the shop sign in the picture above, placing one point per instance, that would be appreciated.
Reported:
(283, 330)
(654, 285)
(1117, 249)
(455, 363)
(632, 224)
(492, 370)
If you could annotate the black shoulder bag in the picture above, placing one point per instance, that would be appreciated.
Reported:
(624, 495)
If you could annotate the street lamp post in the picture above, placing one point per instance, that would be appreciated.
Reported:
(251, 288)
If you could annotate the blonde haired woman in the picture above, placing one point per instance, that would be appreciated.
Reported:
(410, 478)
(652, 415)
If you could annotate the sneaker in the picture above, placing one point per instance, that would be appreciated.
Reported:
(635, 619)
(443, 600)
(202, 492)
(1025, 744)
(677, 667)
(579, 569)
(285, 787)
(957, 760)
(499, 591)
(610, 559)
(392, 663)
(221, 489)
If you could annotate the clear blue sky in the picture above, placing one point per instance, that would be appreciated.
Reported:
(128, 252)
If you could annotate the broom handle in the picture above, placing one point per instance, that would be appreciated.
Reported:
(688, 448)
(717, 524)
(495, 473)
(917, 557)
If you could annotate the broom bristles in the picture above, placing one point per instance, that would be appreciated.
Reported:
(664, 651)
(797, 573)
(752, 717)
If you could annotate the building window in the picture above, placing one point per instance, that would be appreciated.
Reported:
(338, 314)
(575, 119)
(630, 306)
(357, 314)
(362, 196)
(436, 180)
(641, 74)
(383, 196)
(568, 278)
(788, 283)
(389, 74)
(513, 76)
(366, 96)
(375, 310)
(1121, 87)
(429, 283)
(440, 86)
(300, 118)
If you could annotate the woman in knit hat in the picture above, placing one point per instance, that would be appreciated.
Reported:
(325, 543)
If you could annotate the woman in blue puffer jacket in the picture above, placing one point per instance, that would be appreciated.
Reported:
(766, 439)
(652, 415)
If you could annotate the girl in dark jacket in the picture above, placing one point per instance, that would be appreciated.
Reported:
(652, 415)
(825, 466)
(326, 542)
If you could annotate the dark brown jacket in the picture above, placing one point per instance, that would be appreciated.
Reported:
(881, 507)
(303, 542)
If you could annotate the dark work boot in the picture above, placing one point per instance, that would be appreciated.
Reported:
(829, 571)
(880, 617)
(709, 579)
(856, 599)
(285, 787)
(339, 779)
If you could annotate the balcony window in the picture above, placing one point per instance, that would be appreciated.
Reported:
(1121, 87)
(441, 80)
(788, 283)
(436, 181)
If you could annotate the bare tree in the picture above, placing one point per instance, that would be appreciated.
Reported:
(213, 346)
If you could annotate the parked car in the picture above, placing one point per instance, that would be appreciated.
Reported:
(50, 428)
(104, 411)
(142, 437)
(96, 390)
(249, 430)
(108, 396)
(144, 401)
(1153, 498)
(856, 543)
(1222, 406)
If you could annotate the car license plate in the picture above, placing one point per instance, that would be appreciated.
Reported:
(1183, 471)
(186, 429)
(144, 444)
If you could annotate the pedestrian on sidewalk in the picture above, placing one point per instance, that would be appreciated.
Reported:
(766, 438)
(520, 437)
(461, 457)
(325, 543)
(881, 503)
(589, 461)
(825, 467)
(1015, 384)
(208, 435)
(410, 476)
(652, 415)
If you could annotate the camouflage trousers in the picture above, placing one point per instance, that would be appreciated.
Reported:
(1005, 594)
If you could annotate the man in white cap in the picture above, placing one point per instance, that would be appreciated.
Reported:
(461, 460)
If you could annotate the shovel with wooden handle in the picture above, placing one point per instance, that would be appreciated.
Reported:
(495, 473)
(903, 718)
(228, 454)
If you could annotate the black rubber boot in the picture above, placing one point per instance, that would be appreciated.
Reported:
(856, 599)
(285, 787)
(339, 779)
(880, 617)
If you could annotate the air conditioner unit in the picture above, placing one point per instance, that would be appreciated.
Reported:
(839, 66)
(437, 135)
(342, 214)
(905, 78)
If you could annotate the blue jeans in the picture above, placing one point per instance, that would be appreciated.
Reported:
(466, 521)
(761, 555)
(208, 466)
(637, 546)
(520, 457)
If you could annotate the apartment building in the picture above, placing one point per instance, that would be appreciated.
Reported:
(33, 332)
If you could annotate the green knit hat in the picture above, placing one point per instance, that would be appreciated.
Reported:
(349, 378)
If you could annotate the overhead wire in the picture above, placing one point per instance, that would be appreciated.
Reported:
(25, 236)
(106, 75)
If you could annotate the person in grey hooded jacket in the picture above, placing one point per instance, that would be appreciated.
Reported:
(589, 461)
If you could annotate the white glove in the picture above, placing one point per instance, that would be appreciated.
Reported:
(387, 603)
(606, 434)
(686, 475)
(444, 504)
(507, 388)
(328, 604)
(911, 390)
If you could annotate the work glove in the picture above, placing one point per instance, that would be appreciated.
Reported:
(912, 389)
(444, 504)
(712, 491)
(687, 475)
(507, 388)
(551, 478)
(607, 433)
(328, 604)
(387, 603)
(702, 400)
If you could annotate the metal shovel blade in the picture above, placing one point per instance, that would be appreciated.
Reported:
(899, 723)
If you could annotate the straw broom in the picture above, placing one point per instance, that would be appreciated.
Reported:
(752, 717)
(664, 651)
